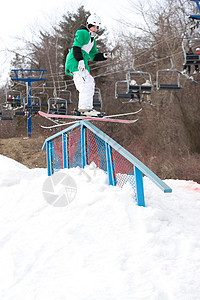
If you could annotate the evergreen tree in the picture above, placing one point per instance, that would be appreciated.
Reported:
(67, 28)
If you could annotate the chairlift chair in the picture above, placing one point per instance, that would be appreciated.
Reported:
(35, 105)
(43, 96)
(14, 98)
(97, 99)
(163, 77)
(65, 94)
(20, 110)
(57, 106)
(51, 106)
(137, 84)
(193, 43)
(6, 113)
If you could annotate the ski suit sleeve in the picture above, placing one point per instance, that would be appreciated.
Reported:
(95, 55)
(77, 53)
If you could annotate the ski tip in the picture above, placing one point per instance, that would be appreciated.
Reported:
(133, 121)
(40, 113)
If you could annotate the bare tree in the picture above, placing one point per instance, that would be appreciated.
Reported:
(170, 129)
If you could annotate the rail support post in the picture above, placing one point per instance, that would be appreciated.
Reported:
(139, 187)
(65, 151)
(111, 176)
(83, 145)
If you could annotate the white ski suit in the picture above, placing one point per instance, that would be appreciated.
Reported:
(85, 84)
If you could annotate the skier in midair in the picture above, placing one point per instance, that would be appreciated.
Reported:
(83, 49)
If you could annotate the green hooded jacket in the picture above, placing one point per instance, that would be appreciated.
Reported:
(88, 50)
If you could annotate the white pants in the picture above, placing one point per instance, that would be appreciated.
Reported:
(85, 84)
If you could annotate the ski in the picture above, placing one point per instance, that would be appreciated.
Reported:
(191, 78)
(124, 114)
(138, 101)
(58, 125)
(73, 122)
(103, 119)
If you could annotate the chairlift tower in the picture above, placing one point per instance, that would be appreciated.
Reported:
(28, 81)
(196, 17)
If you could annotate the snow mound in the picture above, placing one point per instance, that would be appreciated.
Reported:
(9, 164)
(102, 245)
(12, 172)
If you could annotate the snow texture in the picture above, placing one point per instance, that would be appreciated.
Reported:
(101, 246)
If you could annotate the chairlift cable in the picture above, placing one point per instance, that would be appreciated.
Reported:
(137, 56)
(138, 66)
(51, 71)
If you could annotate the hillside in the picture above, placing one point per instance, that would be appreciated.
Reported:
(166, 150)
(25, 151)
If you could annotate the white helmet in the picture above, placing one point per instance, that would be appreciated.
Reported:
(93, 20)
(197, 49)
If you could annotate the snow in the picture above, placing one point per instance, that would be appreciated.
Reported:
(100, 246)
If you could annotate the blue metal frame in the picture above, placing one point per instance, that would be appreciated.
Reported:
(83, 145)
(139, 167)
(65, 151)
(146, 171)
(111, 176)
(197, 17)
(50, 169)
(60, 133)
(139, 186)
(28, 81)
(29, 112)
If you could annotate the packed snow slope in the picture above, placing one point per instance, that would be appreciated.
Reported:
(101, 246)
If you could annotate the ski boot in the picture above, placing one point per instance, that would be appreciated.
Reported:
(89, 113)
